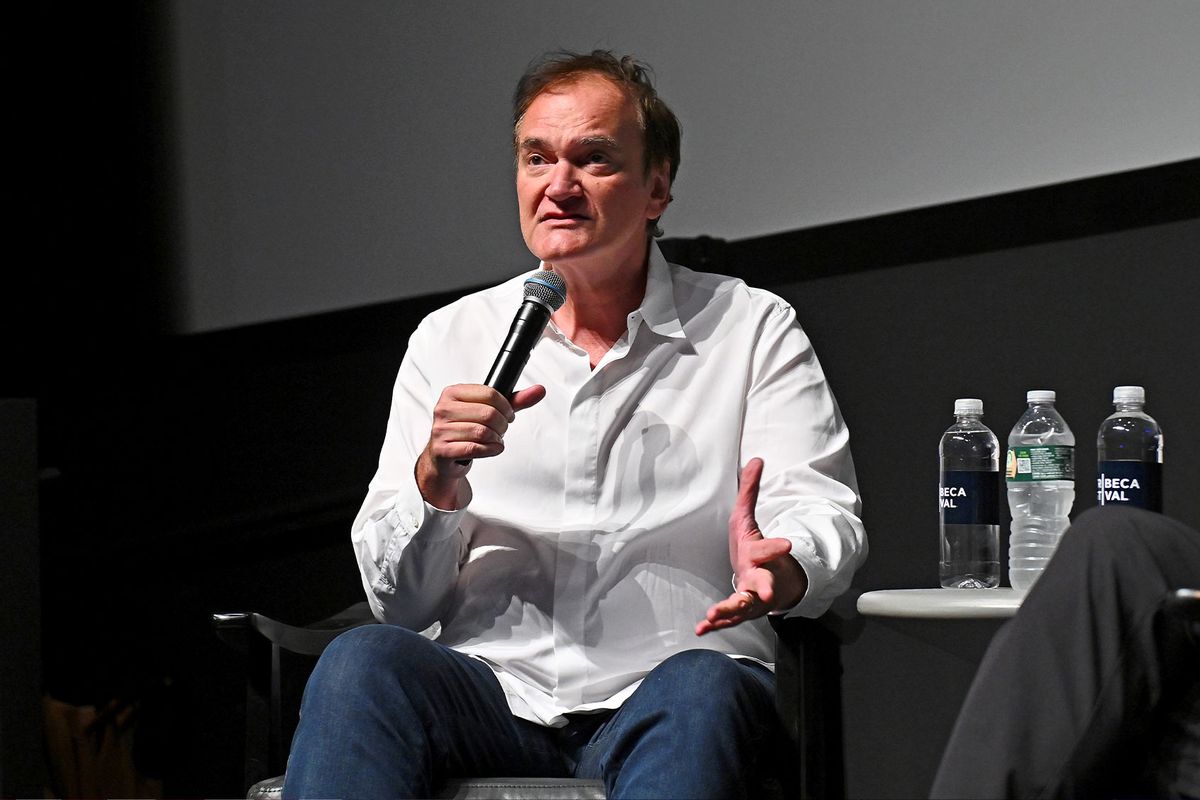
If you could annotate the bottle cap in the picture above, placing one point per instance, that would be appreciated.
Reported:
(968, 405)
(1040, 396)
(1129, 394)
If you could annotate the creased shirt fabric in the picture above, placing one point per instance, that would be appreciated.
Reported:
(584, 554)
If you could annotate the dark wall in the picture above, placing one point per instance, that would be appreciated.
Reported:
(20, 623)
(1080, 316)
(900, 344)
(192, 475)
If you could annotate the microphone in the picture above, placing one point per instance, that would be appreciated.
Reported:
(545, 292)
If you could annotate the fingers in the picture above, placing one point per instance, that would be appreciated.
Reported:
(766, 573)
(733, 610)
(470, 420)
(491, 418)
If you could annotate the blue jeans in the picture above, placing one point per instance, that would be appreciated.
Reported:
(389, 713)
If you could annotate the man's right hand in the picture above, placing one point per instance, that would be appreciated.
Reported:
(469, 422)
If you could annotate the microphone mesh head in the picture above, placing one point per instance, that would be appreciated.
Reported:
(547, 288)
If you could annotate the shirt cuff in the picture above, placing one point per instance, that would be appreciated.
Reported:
(438, 523)
(814, 603)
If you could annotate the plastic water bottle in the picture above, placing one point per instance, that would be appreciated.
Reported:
(1040, 472)
(1129, 452)
(969, 501)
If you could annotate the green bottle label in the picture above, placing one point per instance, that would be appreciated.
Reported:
(1040, 462)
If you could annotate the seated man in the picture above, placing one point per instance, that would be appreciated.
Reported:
(676, 431)
(1093, 688)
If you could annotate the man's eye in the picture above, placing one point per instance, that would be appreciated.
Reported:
(597, 158)
(534, 160)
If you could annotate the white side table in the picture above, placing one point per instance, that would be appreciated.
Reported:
(997, 603)
(938, 637)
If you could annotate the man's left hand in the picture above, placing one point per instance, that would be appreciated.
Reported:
(765, 574)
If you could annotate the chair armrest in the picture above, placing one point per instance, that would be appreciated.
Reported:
(261, 640)
(808, 697)
(1184, 603)
(309, 640)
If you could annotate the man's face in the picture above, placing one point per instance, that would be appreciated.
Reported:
(582, 189)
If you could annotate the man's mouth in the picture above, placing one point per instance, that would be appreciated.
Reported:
(561, 216)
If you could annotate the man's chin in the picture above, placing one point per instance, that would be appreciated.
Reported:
(556, 251)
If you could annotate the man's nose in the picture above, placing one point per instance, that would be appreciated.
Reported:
(564, 181)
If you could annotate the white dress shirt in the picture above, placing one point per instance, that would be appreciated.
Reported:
(586, 552)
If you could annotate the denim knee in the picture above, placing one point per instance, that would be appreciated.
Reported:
(706, 681)
(694, 728)
(363, 660)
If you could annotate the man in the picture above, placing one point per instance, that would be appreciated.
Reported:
(575, 590)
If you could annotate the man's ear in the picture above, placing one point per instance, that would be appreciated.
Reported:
(660, 190)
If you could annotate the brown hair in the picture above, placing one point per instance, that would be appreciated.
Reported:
(660, 127)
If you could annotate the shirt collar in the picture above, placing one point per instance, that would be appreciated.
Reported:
(658, 306)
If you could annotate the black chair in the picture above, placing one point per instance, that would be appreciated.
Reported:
(808, 698)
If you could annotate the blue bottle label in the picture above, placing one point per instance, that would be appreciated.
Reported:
(970, 497)
(1130, 483)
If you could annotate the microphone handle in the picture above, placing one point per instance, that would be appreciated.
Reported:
(523, 334)
(526, 327)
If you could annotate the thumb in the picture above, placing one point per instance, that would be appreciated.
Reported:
(527, 397)
(742, 518)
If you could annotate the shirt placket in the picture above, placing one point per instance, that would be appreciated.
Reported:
(578, 554)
